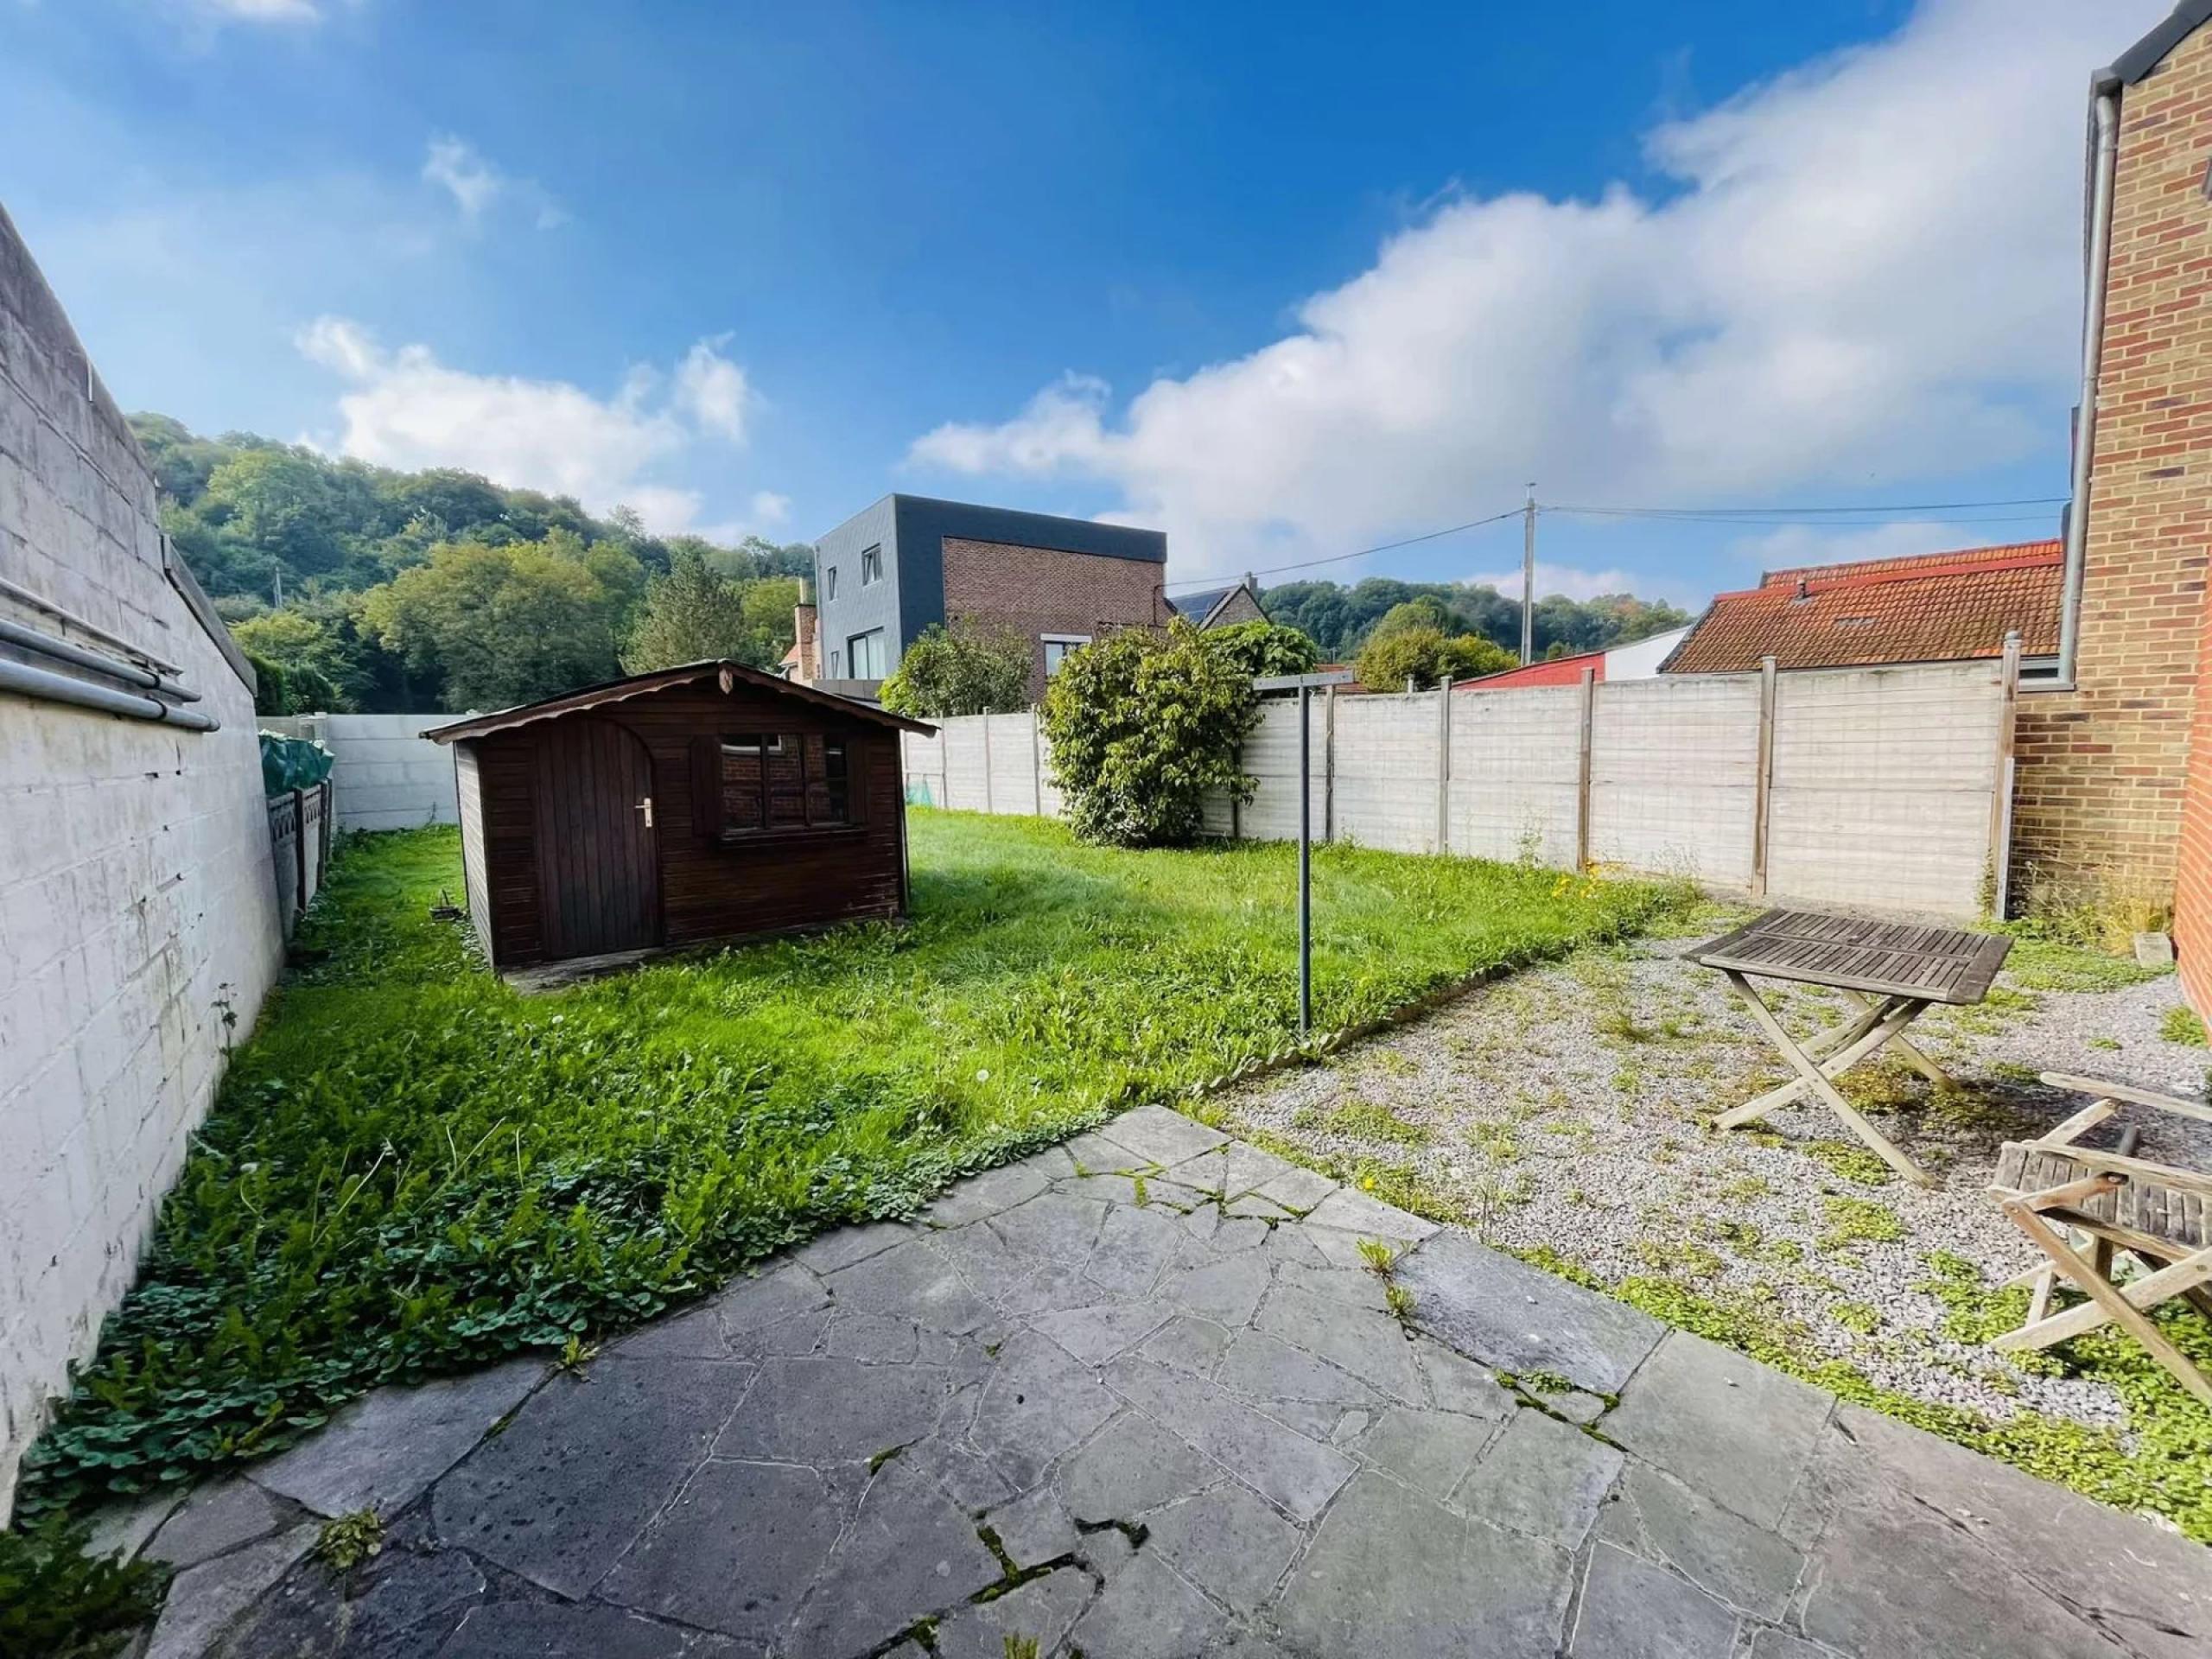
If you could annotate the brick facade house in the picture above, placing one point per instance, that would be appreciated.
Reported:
(909, 562)
(2102, 760)
(1220, 607)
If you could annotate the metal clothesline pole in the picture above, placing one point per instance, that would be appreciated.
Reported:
(1304, 684)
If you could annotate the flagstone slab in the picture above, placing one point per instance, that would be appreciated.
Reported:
(1040, 1610)
(217, 1518)
(1392, 1574)
(204, 1600)
(383, 1451)
(1163, 1136)
(826, 1410)
(1038, 1404)
(986, 1194)
(1227, 1291)
(1229, 1543)
(1132, 1466)
(1541, 1477)
(1299, 1474)
(1737, 1431)
(1147, 1612)
(571, 1482)
(911, 1554)
(1369, 1345)
(1352, 1210)
(551, 1631)
(1430, 1451)
(735, 1552)
(1632, 1610)
(1516, 1318)
(1748, 1567)
(910, 1281)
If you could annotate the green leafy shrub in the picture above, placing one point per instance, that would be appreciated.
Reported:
(1257, 648)
(58, 1602)
(1142, 724)
(1425, 655)
(959, 671)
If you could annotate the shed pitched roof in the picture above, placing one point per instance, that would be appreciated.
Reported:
(638, 685)
(1933, 608)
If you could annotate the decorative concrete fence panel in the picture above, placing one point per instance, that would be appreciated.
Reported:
(1386, 777)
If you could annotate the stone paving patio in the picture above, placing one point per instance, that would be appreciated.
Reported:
(1138, 1396)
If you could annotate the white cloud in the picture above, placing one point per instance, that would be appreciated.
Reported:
(406, 409)
(1576, 582)
(1866, 269)
(770, 509)
(477, 183)
(454, 164)
(713, 390)
(253, 11)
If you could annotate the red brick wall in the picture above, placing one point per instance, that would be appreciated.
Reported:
(2101, 768)
(2193, 882)
(1038, 590)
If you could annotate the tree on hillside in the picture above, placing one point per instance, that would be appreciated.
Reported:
(690, 615)
(1425, 654)
(314, 660)
(959, 672)
(1342, 620)
(494, 625)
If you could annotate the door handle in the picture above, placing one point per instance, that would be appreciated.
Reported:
(646, 806)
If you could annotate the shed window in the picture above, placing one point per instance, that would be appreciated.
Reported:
(784, 781)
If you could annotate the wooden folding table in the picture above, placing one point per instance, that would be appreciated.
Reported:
(1892, 972)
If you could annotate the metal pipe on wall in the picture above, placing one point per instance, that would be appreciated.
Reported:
(23, 595)
(14, 633)
(2102, 170)
(43, 683)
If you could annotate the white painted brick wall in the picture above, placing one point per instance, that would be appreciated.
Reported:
(137, 897)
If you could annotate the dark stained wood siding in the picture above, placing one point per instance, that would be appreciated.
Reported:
(709, 888)
(469, 789)
(599, 883)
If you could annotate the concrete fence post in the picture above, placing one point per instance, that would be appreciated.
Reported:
(986, 719)
(1444, 764)
(1588, 722)
(2000, 786)
(1329, 763)
(1036, 767)
(299, 848)
(1762, 782)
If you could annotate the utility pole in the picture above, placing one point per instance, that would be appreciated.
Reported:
(1528, 578)
(279, 575)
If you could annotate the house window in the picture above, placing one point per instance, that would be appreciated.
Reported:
(867, 652)
(1057, 647)
(836, 665)
(871, 565)
(830, 582)
(785, 781)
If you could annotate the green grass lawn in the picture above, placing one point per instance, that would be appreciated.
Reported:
(411, 1168)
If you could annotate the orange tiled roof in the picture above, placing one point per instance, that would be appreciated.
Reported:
(1556, 671)
(1933, 608)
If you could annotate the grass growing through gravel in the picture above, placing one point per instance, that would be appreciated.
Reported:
(411, 1168)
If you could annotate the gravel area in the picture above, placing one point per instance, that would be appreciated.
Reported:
(1568, 1108)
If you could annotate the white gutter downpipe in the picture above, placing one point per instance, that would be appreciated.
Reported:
(2104, 164)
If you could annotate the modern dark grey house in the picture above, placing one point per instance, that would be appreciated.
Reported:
(890, 570)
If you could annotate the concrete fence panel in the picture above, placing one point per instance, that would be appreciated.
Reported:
(1515, 782)
(1271, 757)
(1014, 773)
(1387, 773)
(387, 774)
(1674, 776)
(1882, 783)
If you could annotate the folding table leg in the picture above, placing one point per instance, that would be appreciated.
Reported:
(1874, 1028)
(2108, 1297)
(1816, 1080)
(1927, 1067)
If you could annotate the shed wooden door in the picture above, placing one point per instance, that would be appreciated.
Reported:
(599, 877)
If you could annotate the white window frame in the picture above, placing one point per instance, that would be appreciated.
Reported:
(1071, 641)
(828, 582)
(882, 649)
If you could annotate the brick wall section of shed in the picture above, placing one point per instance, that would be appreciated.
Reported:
(137, 898)
(2100, 768)
(1032, 591)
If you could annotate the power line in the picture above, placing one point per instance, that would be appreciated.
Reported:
(1383, 547)
(1759, 517)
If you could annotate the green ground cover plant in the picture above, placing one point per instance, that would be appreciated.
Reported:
(411, 1168)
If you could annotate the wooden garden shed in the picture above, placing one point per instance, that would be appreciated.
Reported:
(693, 805)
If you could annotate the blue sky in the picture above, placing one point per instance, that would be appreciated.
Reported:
(1285, 281)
